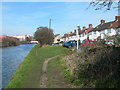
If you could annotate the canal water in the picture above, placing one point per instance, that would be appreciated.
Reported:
(11, 59)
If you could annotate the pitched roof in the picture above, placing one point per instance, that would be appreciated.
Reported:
(81, 31)
(65, 35)
(71, 34)
(102, 26)
(88, 30)
(1, 37)
(56, 35)
(116, 24)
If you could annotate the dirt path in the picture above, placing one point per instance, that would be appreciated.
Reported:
(43, 80)
(55, 75)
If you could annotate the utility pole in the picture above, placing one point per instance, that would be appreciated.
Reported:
(50, 24)
(77, 35)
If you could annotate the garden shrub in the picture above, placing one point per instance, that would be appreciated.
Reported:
(96, 67)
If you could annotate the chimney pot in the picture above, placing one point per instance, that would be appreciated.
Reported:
(117, 18)
(90, 25)
(102, 21)
(84, 28)
(74, 31)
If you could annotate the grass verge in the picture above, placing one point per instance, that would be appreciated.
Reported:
(29, 72)
(55, 74)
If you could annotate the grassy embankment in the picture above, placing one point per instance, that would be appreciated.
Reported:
(29, 72)
(95, 68)
(56, 76)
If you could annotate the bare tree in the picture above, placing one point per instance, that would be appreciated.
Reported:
(44, 36)
(105, 4)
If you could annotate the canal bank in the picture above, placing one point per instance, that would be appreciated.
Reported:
(11, 59)
(29, 72)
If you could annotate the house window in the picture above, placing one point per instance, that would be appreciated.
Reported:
(99, 31)
(82, 34)
(109, 31)
(90, 33)
(103, 31)
(94, 32)
(118, 29)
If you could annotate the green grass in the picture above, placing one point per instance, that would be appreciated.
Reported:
(29, 72)
(54, 74)
(57, 76)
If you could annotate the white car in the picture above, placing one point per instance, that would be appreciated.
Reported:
(110, 42)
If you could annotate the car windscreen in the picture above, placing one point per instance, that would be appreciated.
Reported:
(90, 42)
(83, 41)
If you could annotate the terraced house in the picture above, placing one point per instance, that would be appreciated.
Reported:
(101, 31)
(104, 30)
(83, 34)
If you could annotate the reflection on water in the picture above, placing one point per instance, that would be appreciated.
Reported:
(11, 58)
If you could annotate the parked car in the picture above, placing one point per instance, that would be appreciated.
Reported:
(70, 43)
(88, 43)
(55, 44)
(110, 42)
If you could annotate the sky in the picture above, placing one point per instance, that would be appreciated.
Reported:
(22, 18)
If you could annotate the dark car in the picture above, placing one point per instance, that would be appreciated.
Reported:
(71, 43)
(55, 44)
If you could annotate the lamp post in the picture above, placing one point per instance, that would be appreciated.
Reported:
(77, 35)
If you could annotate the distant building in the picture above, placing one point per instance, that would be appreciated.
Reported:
(33, 41)
(21, 38)
(1, 40)
(57, 38)
(1, 37)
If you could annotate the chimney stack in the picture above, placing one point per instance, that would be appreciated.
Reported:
(74, 31)
(102, 21)
(117, 18)
(90, 25)
(84, 28)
